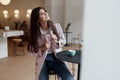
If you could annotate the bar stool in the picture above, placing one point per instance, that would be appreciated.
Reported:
(56, 76)
(18, 47)
(76, 39)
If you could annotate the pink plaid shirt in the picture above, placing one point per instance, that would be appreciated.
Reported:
(54, 47)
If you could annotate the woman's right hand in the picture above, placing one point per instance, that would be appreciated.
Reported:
(45, 46)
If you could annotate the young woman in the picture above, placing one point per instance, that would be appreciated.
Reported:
(46, 40)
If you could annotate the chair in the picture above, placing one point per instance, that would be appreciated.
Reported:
(80, 45)
(18, 46)
(53, 73)
(71, 67)
(76, 38)
(67, 31)
(57, 77)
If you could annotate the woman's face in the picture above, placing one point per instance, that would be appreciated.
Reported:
(43, 16)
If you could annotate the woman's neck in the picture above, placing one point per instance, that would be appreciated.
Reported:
(44, 26)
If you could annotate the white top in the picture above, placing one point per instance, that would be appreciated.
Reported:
(47, 34)
(62, 39)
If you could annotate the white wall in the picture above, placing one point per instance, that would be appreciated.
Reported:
(48, 6)
(74, 15)
(101, 49)
(56, 10)
(66, 11)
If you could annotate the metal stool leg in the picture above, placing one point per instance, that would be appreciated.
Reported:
(73, 69)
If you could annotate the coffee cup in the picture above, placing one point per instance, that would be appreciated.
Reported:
(71, 53)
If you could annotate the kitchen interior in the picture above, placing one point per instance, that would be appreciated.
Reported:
(15, 13)
(100, 56)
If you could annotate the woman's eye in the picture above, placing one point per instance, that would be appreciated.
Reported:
(41, 13)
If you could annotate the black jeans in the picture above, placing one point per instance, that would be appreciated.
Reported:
(52, 63)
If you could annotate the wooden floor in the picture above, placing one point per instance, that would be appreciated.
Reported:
(22, 67)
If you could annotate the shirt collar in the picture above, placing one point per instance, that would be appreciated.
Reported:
(48, 31)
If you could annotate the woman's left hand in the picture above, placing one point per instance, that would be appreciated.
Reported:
(55, 38)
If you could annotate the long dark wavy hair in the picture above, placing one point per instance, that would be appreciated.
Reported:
(35, 30)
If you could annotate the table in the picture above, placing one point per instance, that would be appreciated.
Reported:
(76, 59)
(67, 38)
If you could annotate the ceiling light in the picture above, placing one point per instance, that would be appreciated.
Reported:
(5, 2)
(29, 11)
(5, 12)
(16, 11)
